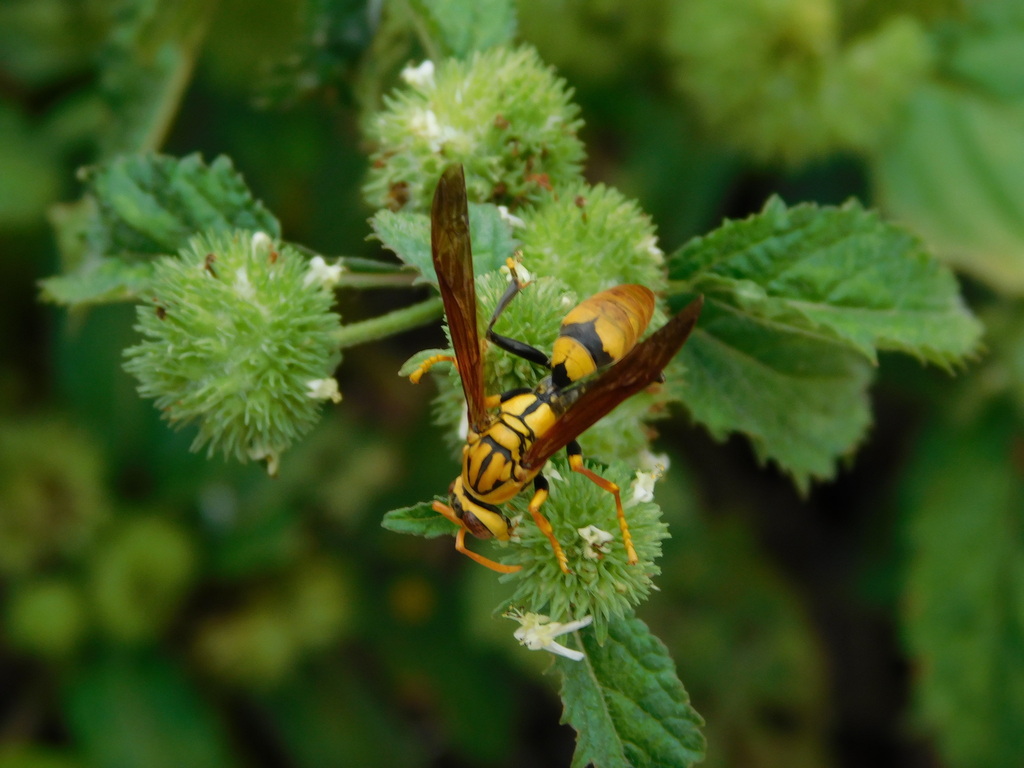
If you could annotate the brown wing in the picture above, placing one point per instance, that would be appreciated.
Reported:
(453, 263)
(633, 373)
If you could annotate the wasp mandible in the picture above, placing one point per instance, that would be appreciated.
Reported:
(596, 363)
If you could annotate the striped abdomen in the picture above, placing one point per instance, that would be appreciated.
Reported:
(599, 331)
(491, 467)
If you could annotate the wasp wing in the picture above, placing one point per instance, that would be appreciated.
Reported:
(633, 373)
(453, 263)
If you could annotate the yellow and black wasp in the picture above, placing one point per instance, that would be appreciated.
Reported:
(596, 363)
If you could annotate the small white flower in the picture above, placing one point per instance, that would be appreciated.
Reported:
(650, 244)
(464, 425)
(553, 474)
(522, 274)
(424, 123)
(537, 632)
(597, 539)
(272, 457)
(643, 487)
(510, 218)
(327, 275)
(654, 462)
(261, 243)
(243, 286)
(421, 76)
(513, 527)
(324, 389)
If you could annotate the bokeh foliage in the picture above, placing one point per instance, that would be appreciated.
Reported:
(161, 609)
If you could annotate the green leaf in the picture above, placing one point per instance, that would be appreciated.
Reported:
(137, 207)
(839, 274)
(964, 594)
(798, 301)
(627, 705)
(141, 711)
(462, 27)
(150, 205)
(99, 282)
(953, 172)
(800, 399)
(408, 236)
(419, 520)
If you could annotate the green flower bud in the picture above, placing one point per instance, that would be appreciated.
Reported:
(140, 577)
(46, 618)
(51, 495)
(239, 338)
(592, 238)
(602, 583)
(503, 114)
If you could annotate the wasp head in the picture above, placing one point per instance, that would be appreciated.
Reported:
(482, 520)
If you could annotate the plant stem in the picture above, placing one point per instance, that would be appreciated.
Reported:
(389, 324)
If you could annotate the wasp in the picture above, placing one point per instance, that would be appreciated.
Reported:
(596, 363)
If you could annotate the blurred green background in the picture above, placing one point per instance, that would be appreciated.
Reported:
(162, 609)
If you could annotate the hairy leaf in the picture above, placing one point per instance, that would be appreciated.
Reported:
(627, 705)
(138, 207)
(798, 302)
(953, 170)
(150, 205)
(100, 282)
(841, 274)
(408, 236)
(419, 520)
(463, 27)
(964, 601)
(801, 400)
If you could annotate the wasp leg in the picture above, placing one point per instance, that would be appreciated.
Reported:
(575, 454)
(429, 363)
(540, 495)
(460, 542)
(518, 348)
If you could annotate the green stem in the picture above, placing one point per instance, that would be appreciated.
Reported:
(389, 324)
(194, 20)
(378, 280)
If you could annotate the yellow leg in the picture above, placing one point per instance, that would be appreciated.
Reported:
(576, 464)
(460, 542)
(539, 497)
(427, 364)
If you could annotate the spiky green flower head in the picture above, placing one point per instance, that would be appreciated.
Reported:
(602, 583)
(503, 114)
(782, 80)
(239, 339)
(591, 237)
